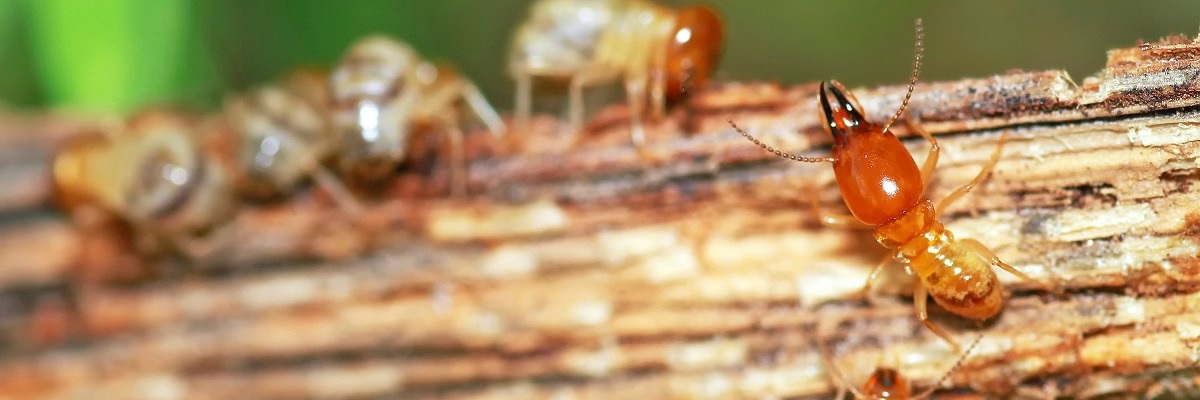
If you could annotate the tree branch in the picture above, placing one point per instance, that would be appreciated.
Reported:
(590, 271)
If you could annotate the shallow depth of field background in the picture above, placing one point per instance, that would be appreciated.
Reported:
(116, 55)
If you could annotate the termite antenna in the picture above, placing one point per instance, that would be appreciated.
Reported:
(912, 82)
(836, 373)
(777, 152)
(957, 364)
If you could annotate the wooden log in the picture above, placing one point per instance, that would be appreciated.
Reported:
(696, 273)
(1093, 332)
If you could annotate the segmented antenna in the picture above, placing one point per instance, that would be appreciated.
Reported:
(777, 152)
(912, 82)
(957, 364)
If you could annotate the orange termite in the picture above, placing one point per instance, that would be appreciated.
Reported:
(886, 382)
(883, 188)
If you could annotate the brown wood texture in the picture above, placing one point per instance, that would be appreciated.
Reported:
(581, 268)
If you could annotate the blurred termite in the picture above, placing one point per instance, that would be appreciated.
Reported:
(660, 53)
(155, 175)
(885, 382)
(283, 137)
(884, 190)
(383, 93)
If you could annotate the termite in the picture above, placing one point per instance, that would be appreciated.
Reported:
(384, 92)
(659, 52)
(883, 188)
(156, 175)
(283, 136)
(886, 382)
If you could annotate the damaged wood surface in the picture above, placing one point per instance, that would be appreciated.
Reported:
(579, 268)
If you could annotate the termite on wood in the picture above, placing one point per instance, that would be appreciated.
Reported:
(658, 51)
(884, 189)
(885, 382)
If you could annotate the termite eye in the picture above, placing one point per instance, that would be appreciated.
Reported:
(692, 50)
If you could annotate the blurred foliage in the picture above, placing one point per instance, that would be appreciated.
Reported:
(17, 79)
(105, 54)
(114, 55)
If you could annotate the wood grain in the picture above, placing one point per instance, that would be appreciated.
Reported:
(581, 268)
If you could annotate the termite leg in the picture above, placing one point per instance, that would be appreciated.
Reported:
(983, 251)
(575, 96)
(935, 150)
(483, 110)
(458, 161)
(575, 104)
(327, 181)
(635, 93)
(834, 372)
(865, 292)
(522, 106)
(194, 248)
(201, 250)
(831, 368)
(658, 96)
(846, 221)
(920, 299)
(983, 174)
(658, 86)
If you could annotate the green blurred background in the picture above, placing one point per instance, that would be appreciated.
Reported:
(116, 55)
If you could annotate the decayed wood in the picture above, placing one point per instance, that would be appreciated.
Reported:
(699, 272)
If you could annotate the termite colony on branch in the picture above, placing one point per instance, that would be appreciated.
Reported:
(177, 180)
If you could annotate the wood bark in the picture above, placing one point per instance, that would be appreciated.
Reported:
(695, 268)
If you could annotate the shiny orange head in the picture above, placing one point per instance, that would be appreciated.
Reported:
(693, 50)
(886, 383)
(877, 176)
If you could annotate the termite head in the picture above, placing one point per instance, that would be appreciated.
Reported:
(372, 68)
(70, 170)
(886, 383)
(877, 176)
(693, 50)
